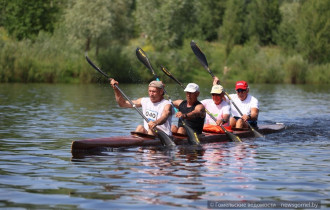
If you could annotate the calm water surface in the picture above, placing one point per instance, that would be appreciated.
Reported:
(38, 122)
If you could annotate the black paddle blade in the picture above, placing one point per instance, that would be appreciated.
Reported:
(199, 54)
(142, 56)
(164, 138)
(171, 76)
(232, 136)
(95, 67)
(192, 135)
(256, 133)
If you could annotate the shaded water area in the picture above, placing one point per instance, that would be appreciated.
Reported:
(38, 122)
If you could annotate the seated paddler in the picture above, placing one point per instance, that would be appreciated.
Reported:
(248, 106)
(191, 110)
(157, 109)
(219, 108)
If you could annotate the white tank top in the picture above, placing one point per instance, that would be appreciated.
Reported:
(153, 111)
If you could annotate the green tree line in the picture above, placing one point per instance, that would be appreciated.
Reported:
(261, 41)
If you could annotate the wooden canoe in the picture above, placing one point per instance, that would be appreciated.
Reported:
(139, 139)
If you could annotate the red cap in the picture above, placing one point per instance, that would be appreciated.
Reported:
(241, 85)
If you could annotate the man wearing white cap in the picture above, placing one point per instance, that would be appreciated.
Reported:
(191, 110)
(217, 106)
(157, 109)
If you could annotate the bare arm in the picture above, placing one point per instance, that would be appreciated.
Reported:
(224, 120)
(216, 81)
(254, 113)
(122, 102)
(253, 116)
(199, 111)
(176, 103)
(165, 115)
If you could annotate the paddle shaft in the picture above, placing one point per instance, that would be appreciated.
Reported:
(172, 77)
(230, 99)
(232, 136)
(215, 120)
(192, 134)
(239, 111)
(144, 59)
(193, 138)
(163, 137)
(121, 92)
(202, 58)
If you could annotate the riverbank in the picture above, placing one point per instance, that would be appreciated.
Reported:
(51, 60)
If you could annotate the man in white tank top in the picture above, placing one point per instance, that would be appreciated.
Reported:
(155, 108)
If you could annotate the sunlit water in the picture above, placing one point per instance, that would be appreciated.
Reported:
(38, 122)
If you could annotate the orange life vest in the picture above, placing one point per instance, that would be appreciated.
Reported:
(215, 128)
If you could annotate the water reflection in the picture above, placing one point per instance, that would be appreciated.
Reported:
(38, 122)
(190, 169)
(196, 173)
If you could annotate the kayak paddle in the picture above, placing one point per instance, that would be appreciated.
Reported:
(229, 134)
(202, 59)
(164, 138)
(192, 136)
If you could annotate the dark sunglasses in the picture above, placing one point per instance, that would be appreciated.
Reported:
(240, 90)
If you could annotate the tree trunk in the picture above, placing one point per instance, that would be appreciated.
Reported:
(97, 47)
(88, 42)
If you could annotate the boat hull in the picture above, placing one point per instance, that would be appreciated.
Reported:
(138, 139)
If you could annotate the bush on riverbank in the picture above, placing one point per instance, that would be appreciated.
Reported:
(55, 60)
(260, 41)
(47, 59)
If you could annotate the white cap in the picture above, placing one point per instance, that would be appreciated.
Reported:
(217, 89)
(191, 88)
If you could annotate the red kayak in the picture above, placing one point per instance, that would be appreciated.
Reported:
(140, 139)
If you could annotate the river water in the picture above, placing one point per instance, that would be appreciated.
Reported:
(38, 122)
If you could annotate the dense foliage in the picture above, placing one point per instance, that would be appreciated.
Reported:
(262, 41)
(24, 19)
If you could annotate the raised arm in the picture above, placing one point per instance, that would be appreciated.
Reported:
(122, 102)
(216, 80)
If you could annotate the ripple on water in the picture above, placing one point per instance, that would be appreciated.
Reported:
(39, 122)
